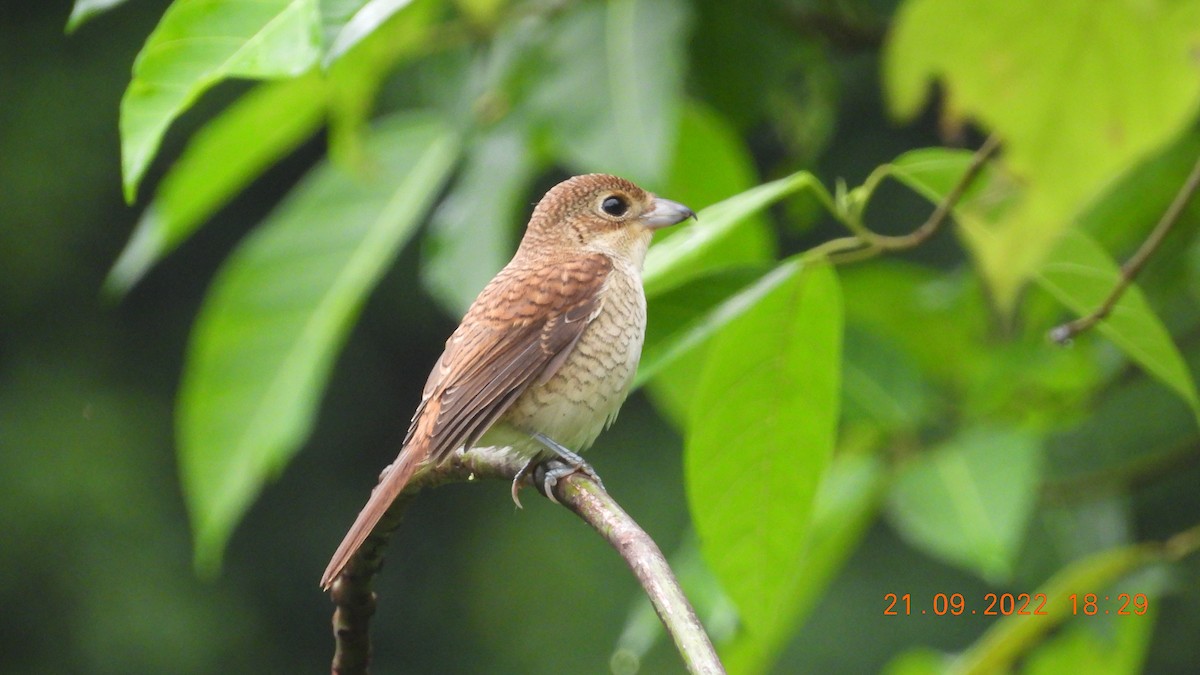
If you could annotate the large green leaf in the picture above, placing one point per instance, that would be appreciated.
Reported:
(686, 317)
(969, 501)
(760, 437)
(937, 318)
(233, 149)
(199, 43)
(677, 259)
(85, 10)
(1121, 218)
(1079, 94)
(278, 311)
(845, 505)
(1077, 272)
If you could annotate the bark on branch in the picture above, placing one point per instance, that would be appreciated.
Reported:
(355, 601)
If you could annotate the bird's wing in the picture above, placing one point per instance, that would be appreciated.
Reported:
(518, 332)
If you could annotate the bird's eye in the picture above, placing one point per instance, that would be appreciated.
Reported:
(614, 206)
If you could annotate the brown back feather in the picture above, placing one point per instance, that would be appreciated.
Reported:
(517, 333)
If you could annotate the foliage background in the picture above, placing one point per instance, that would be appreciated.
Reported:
(1071, 455)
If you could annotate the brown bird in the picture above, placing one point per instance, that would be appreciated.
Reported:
(545, 355)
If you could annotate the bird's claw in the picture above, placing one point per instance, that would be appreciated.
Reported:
(519, 479)
(547, 473)
(550, 472)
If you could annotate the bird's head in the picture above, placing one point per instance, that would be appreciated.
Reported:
(601, 213)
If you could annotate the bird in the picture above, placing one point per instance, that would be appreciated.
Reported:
(546, 354)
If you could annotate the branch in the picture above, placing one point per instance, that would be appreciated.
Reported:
(944, 207)
(866, 243)
(1129, 271)
(588, 500)
(355, 601)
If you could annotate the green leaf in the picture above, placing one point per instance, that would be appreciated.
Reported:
(1081, 275)
(711, 162)
(355, 77)
(1121, 218)
(472, 232)
(934, 172)
(969, 501)
(86, 10)
(677, 259)
(882, 384)
(266, 337)
(229, 152)
(1077, 272)
(362, 23)
(199, 43)
(616, 110)
(845, 506)
(759, 440)
(684, 318)
(1109, 82)
(1118, 438)
(335, 14)
(924, 313)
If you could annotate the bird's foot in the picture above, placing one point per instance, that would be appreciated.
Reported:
(547, 473)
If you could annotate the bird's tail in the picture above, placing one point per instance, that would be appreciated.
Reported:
(389, 487)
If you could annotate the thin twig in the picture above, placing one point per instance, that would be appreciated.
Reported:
(1129, 271)
(866, 243)
(944, 207)
(355, 601)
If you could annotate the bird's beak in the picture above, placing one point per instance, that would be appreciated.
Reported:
(666, 213)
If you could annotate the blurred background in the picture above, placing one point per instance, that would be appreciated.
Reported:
(96, 554)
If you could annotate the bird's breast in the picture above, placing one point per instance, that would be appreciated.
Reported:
(584, 395)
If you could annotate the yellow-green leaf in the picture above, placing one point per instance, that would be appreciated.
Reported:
(1077, 272)
(1078, 90)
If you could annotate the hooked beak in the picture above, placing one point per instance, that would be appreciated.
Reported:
(666, 213)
